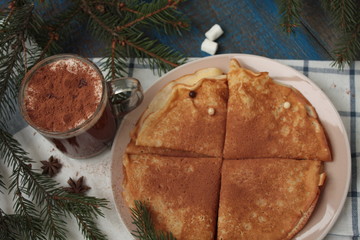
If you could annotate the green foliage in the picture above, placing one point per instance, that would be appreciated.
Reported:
(346, 17)
(33, 191)
(170, 21)
(141, 218)
(122, 26)
(348, 48)
(290, 14)
(12, 38)
(344, 13)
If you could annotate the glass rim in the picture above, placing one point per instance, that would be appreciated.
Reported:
(72, 131)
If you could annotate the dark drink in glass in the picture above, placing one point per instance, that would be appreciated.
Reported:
(65, 98)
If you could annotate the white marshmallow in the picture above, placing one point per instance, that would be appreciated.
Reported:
(211, 111)
(214, 32)
(287, 105)
(209, 47)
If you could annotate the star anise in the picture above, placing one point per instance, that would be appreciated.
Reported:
(77, 186)
(51, 167)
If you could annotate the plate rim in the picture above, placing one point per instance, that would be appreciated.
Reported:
(241, 55)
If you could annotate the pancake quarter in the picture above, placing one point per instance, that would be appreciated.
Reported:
(266, 119)
(267, 198)
(182, 193)
(184, 122)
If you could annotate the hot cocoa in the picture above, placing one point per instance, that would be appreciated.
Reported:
(62, 95)
(65, 99)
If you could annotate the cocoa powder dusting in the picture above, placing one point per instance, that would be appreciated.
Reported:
(62, 95)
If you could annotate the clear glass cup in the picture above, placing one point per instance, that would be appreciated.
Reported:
(97, 132)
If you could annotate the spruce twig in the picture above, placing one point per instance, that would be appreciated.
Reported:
(141, 218)
(2, 184)
(346, 17)
(55, 203)
(290, 14)
(160, 12)
(12, 33)
(343, 12)
(348, 49)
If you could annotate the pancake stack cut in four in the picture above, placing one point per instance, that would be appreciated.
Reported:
(208, 157)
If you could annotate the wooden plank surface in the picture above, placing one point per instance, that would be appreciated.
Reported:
(250, 26)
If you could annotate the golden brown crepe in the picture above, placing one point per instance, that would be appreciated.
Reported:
(185, 123)
(266, 119)
(267, 198)
(182, 193)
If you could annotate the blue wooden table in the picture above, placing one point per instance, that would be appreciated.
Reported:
(250, 26)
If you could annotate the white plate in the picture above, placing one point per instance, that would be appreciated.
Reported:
(334, 194)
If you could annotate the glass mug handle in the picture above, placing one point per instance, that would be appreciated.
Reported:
(125, 94)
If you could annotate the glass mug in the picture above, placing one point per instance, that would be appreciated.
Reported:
(94, 133)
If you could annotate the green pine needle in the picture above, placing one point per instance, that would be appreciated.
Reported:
(346, 17)
(145, 229)
(170, 21)
(290, 14)
(348, 48)
(44, 193)
(2, 184)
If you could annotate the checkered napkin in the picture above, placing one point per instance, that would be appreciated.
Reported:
(343, 89)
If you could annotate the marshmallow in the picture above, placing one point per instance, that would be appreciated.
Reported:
(214, 32)
(287, 105)
(209, 47)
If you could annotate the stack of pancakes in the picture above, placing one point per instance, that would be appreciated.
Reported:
(233, 156)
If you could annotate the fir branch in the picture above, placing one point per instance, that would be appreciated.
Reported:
(141, 218)
(84, 209)
(116, 61)
(10, 226)
(169, 19)
(345, 15)
(54, 202)
(12, 34)
(124, 8)
(45, 37)
(86, 8)
(348, 48)
(137, 47)
(31, 224)
(151, 13)
(290, 14)
(152, 52)
(37, 185)
(343, 12)
(2, 184)
(112, 59)
(159, 56)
